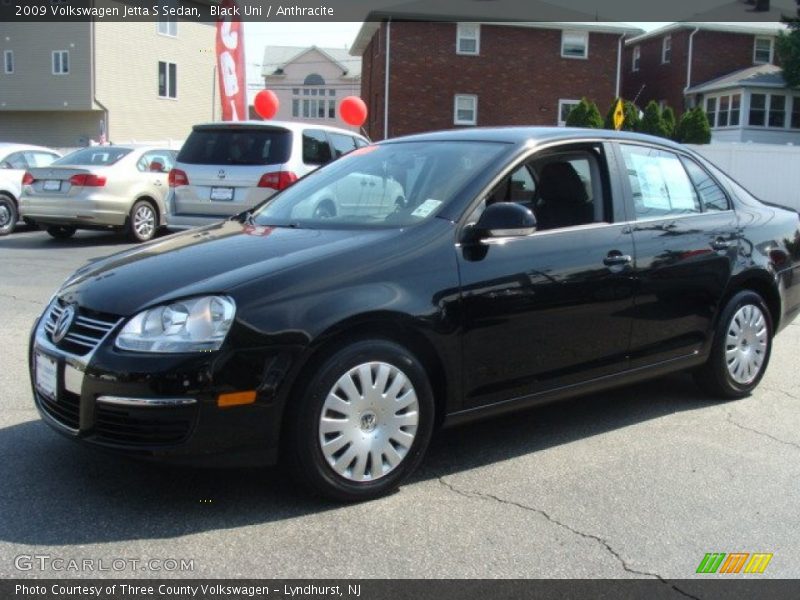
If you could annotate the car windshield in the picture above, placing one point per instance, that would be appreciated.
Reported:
(237, 146)
(388, 185)
(100, 156)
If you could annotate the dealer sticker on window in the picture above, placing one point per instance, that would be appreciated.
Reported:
(426, 208)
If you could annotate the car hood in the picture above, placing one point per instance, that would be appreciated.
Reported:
(210, 260)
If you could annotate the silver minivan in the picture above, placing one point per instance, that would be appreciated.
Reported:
(226, 168)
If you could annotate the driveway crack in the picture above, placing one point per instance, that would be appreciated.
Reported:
(761, 433)
(589, 536)
(780, 391)
(9, 296)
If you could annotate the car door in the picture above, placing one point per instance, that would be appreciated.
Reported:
(685, 234)
(551, 309)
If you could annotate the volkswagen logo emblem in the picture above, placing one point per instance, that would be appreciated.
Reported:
(221, 174)
(63, 323)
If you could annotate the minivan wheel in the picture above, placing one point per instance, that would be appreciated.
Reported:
(8, 214)
(741, 348)
(61, 232)
(363, 423)
(142, 222)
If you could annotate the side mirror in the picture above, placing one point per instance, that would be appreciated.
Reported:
(504, 219)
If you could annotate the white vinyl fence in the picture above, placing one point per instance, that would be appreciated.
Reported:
(771, 172)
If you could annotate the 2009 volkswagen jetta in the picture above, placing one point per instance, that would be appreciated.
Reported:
(491, 270)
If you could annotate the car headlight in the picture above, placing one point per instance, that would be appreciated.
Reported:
(192, 325)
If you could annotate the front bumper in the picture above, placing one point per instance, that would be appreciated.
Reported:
(164, 406)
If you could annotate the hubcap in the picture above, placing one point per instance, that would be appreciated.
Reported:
(144, 221)
(368, 421)
(5, 215)
(746, 344)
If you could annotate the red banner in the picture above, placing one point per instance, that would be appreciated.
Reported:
(230, 64)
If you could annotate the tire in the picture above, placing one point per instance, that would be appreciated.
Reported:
(741, 348)
(61, 232)
(8, 214)
(336, 434)
(142, 221)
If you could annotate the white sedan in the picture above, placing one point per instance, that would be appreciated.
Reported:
(15, 159)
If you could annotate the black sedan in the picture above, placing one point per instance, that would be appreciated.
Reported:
(468, 273)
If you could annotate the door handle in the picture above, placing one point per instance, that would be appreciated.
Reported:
(158, 182)
(615, 259)
(721, 244)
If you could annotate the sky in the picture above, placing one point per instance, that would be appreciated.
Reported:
(323, 34)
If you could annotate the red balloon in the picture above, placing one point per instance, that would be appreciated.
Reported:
(353, 111)
(266, 104)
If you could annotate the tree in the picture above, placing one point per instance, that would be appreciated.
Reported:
(585, 114)
(668, 115)
(653, 120)
(693, 128)
(787, 47)
(631, 122)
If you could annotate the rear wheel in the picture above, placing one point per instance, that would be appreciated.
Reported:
(143, 221)
(61, 232)
(8, 214)
(741, 348)
(363, 423)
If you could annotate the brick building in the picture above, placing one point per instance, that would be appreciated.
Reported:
(663, 64)
(444, 74)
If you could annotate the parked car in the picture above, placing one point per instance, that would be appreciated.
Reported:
(100, 187)
(226, 168)
(15, 159)
(524, 265)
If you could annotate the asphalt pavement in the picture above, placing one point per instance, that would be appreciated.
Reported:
(642, 481)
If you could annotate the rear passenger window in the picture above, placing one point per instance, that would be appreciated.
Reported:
(659, 183)
(342, 144)
(711, 195)
(316, 150)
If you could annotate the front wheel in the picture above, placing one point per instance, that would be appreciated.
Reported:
(61, 232)
(8, 214)
(363, 423)
(741, 348)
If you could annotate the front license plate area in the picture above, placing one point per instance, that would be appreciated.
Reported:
(222, 194)
(46, 375)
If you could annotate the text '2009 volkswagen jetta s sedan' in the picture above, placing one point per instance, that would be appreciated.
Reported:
(504, 268)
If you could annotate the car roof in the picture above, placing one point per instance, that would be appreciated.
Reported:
(532, 135)
(294, 126)
(13, 147)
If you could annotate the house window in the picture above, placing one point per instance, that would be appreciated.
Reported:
(575, 44)
(167, 80)
(763, 50)
(711, 111)
(637, 58)
(767, 110)
(736, 106)
(8, 62)
(468, 38)
(777, 111)
(758, 110)
(564, 106)
(165, 25)
(61, 62)
(312, 101)
(795, 122)
(666, 49)
(466, 110)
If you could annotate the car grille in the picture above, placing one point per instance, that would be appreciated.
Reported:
(87, 330)
(65, 410)
(149, 426)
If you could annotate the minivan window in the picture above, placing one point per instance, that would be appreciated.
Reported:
(101, 156)
(342, 144)
(316, 150)
(237, 146)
